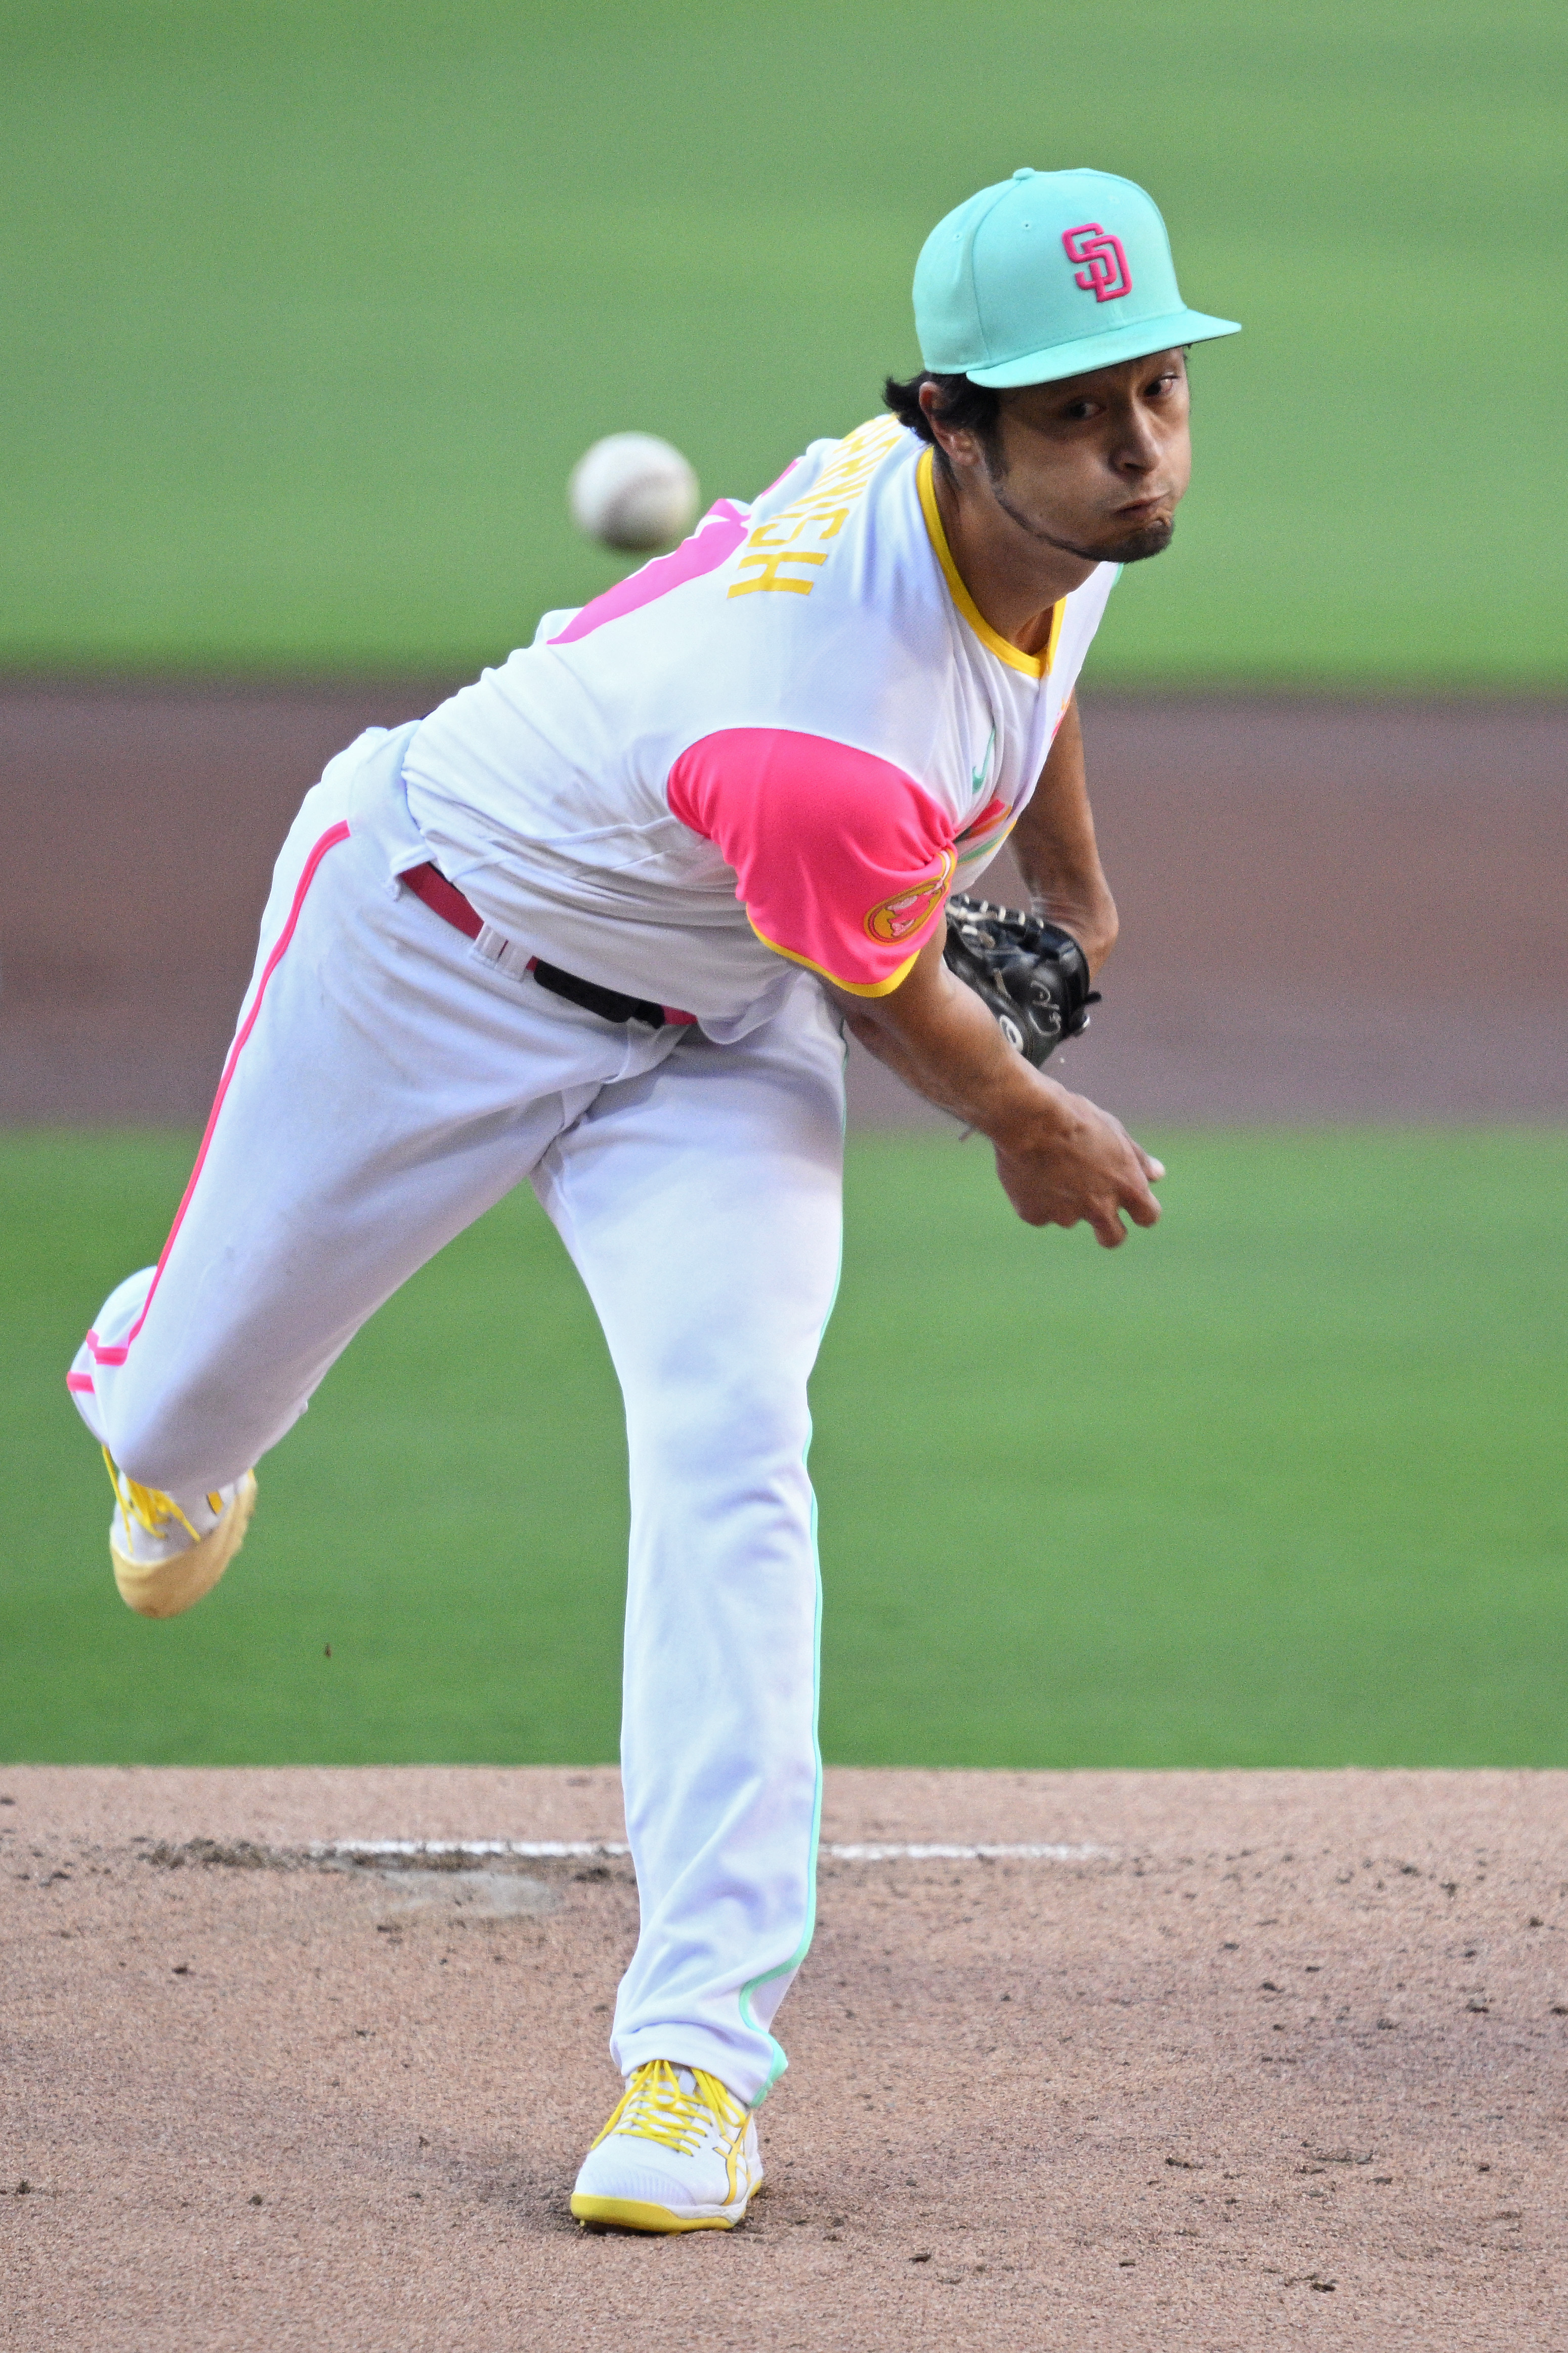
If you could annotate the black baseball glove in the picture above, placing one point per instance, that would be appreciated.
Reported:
(1032, 975)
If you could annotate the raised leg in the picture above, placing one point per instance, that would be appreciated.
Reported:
(383, 1089)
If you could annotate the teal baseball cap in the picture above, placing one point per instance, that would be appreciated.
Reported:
(1049, 274)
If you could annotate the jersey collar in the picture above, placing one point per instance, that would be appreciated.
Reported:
(1032, 665)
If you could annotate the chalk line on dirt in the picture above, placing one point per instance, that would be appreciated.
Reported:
(606, 1850)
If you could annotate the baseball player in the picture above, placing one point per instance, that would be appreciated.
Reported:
(599, 923)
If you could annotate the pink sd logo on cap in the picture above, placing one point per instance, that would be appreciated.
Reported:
(1105, 273)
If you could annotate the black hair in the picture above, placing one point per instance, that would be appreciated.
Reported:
(967, 407)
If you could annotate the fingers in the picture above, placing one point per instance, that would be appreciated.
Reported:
(1134, 1195)
(1141, 1206)
(1110, 1181)
(1139, 1202)
(1106, 1217)
(1151, 1168)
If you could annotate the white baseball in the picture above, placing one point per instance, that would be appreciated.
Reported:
(632, 491)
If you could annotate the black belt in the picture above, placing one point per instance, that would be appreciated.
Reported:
(445, 899)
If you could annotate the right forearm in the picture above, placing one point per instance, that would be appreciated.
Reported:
(1059, 1158)
(956, 1057)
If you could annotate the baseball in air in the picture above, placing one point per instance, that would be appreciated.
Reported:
(632, 491)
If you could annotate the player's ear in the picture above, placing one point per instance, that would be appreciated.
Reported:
(954, 442)
(930, 398)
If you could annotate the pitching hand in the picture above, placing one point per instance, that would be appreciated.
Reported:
(1083, 1168)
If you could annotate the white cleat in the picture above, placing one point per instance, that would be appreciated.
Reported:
(679, 2154)
(165, 1557)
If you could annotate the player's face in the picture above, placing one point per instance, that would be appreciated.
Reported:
(1096, 465)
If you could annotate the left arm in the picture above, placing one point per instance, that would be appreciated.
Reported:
(1054, 844)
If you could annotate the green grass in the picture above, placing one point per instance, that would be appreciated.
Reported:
(309, 310)
(1280, 1484)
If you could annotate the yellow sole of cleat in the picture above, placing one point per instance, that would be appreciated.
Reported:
(162, 1588)
(630, 2214)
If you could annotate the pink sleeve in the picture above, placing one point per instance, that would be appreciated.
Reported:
(842, 861)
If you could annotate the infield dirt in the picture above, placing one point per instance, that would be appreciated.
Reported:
(1282, 2059)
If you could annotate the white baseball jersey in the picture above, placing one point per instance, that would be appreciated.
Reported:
(781, 745)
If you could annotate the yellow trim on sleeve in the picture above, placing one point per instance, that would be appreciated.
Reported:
(851, 987)
(1032, 665)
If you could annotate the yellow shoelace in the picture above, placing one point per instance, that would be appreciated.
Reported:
(655, 2107)
(149, 1506)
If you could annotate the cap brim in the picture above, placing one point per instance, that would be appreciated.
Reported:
(1106, 349)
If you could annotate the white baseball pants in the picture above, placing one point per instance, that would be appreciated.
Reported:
(386, 1085)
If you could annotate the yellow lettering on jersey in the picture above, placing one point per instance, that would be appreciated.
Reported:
(816, 518)
(780, 533)
(770, 576)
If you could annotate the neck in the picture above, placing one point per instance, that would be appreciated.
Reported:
(1014, 575)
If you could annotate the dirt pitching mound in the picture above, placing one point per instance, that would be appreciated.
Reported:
(1214, 2061)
